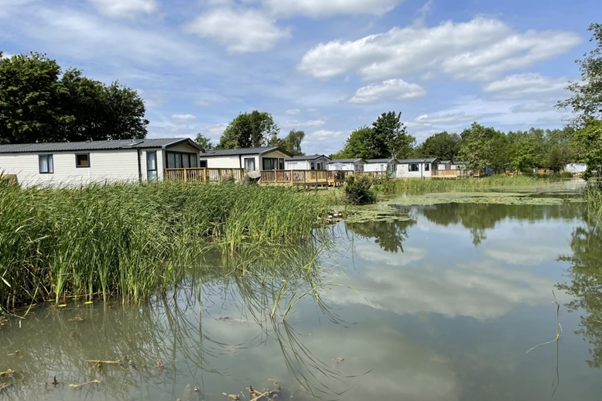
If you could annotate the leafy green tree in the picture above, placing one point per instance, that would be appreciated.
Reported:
(443, 146)
(360, 144)
(390, 138)
(37, 104)
(30, 94)
(588, 146)
(484, 147)
(586, 101)
(204, 142)
(248, 130)
(292, 142)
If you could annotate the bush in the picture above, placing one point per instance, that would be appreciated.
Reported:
(358, 192)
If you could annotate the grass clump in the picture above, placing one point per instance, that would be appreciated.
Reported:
(131, 240)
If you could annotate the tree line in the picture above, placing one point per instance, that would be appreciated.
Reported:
(40, 103)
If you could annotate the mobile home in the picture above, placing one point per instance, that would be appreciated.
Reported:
(356, 165)
(251, 159)
(416, 168)
(313, 162)
(77, 163)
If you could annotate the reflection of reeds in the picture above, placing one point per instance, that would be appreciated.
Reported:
(140, 348)
(593, 199)
(129, 240)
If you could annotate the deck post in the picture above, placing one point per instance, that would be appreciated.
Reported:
(185, 174)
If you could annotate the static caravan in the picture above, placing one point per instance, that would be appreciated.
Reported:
(416, 168)
(381, 165)
(78, 163)
(313, 162)
(356, 165)
(251, 159)
(575, 168)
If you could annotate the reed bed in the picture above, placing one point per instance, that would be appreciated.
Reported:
(131, 240)
(460, 184)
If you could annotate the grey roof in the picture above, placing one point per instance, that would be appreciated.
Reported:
(242, 151)
(372, 161)
(345, 161)
(425, 160)
(119, 144)
(309, 157)
(451, 162)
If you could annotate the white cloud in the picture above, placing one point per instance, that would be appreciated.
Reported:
(181, 119)
(480, 49)
(429, 120)
(523, 85)
(293, 112)
(393, 89)
(532, 107)
(325, 8)
(323, 135)
(240, 30)
(125, 8)
(6, 55)
(296, 123)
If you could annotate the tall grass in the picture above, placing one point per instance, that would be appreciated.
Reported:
(593, 199)
(460, 184)
(130, 240)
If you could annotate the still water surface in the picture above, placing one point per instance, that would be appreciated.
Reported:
(443, 306)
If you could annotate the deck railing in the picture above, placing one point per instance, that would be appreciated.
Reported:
(282, 177)
(204, 174)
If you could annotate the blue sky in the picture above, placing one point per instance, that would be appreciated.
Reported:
(322, 66)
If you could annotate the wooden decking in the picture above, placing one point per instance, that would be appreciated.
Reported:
(268, 177)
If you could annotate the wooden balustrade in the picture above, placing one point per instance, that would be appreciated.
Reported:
(204, 174)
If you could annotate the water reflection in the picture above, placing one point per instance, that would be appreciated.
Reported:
(585, 285)
(388, 235)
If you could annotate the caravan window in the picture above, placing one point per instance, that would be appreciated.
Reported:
(82, 160)
(46, 164)
(414, 167)
(427, 167)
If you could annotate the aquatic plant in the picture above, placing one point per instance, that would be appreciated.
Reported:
(132, 239)
(460, 184)
(593, 199)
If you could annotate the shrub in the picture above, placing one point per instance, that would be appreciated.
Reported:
(358, 191)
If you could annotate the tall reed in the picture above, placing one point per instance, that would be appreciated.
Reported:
(593, 199)
(460, 184)
(130, 240)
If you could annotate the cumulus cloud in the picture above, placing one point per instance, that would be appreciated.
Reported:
(532, 107)
(429, 120)
(523, 85)
(392, 89)
(323, 135)
(240, 30)
(322, 8)
(181, 119)
(480, 49)
(125, 8)
(293, 112)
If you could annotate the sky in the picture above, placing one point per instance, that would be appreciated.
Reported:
(325, 67)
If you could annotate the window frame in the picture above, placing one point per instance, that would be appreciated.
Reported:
(49, 163)
(427, 167)
(77, 165)
(178, 158)
(414, 167)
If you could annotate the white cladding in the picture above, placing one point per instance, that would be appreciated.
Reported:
(414, 170)
(250, 162)
(317, 164)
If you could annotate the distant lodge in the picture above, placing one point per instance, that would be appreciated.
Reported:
(77, 163)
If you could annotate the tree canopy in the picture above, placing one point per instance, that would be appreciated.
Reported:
(204, 142)
(443, 146)
(38, 104)
(291, 143)
(484, 147)
(247, 130)
(386, 138)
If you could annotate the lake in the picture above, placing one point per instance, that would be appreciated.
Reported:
(442, 302)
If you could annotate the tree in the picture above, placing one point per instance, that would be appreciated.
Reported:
(30, 106)
(588, 146)
(248, 130)
(484, 147)
(204, 142)
(37, 104)
(443, 146)
(292, 142)
(360, 144)
(586, 101)
(390, 138)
